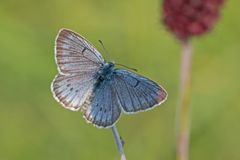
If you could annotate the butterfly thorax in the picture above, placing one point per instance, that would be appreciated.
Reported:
(106, 71)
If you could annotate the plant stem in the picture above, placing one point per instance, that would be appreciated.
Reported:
(118, 142)
(183, 113)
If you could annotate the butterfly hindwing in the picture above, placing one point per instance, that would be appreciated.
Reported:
(103, 108)
(137, 93)
(72, 90)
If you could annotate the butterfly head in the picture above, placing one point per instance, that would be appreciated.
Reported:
(110, 64)
(108, 67)
(106, 71)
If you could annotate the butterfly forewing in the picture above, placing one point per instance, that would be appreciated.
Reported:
(137, 93)
(74, 54)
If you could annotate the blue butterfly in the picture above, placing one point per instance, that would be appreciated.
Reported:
(86, 82)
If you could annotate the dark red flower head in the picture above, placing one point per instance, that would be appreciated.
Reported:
(187, 18)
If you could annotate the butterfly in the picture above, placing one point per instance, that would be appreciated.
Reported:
(86, 82)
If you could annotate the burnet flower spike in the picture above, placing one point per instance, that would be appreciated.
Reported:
(186, 19)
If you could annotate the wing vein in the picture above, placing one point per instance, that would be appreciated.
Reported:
(128, 92)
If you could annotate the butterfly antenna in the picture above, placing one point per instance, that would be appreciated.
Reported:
(104, 48)
(127, 67)
(115, 63)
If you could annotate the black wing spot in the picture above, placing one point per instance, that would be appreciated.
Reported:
(136, 84)
(68, 85)
(71, 89)
(77, 91)
(101, 109)
(84, 49)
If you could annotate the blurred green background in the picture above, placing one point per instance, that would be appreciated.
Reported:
(34, 126)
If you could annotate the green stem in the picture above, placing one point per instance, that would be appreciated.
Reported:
(118, 142)
(183, 113)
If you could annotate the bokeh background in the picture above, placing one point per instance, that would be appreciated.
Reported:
(34, 126)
